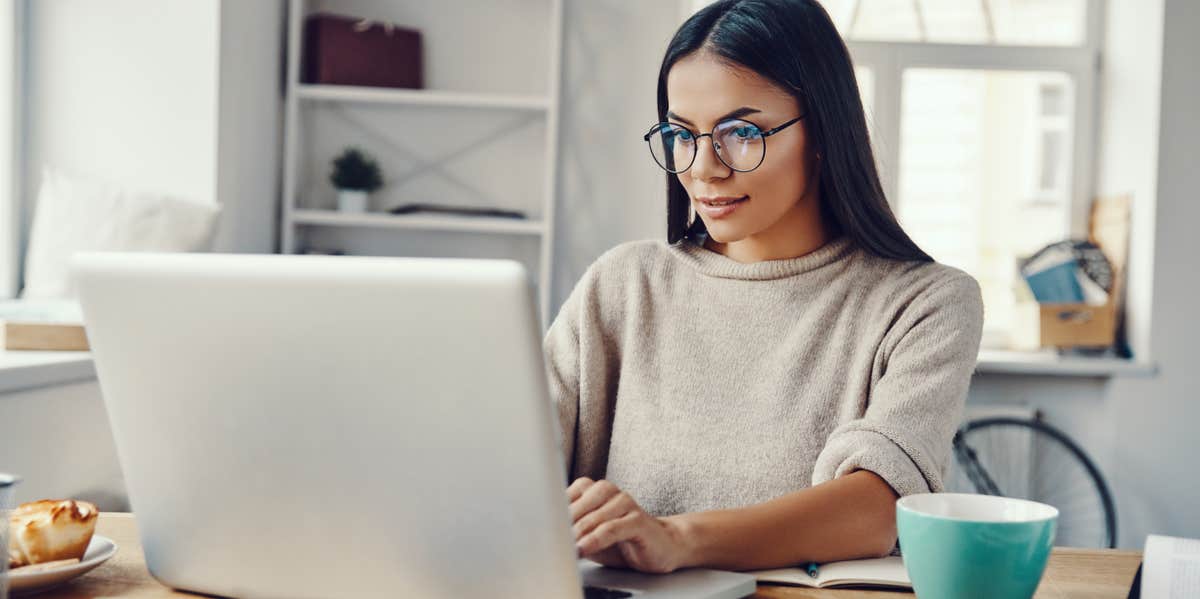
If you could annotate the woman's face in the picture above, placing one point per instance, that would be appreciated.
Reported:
(776, 198)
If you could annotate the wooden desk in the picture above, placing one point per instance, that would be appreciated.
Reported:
(1072, 574)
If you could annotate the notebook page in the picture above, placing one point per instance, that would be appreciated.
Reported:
(1171, 568)
(886, 571)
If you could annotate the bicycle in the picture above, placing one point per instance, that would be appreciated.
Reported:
(1029, 459)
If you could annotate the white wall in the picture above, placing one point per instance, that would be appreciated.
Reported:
(176, 96)
(609, 189)
(125, 91)
(1142, 431)
(11, 57)
(1158, 445)
(250, 124)
(58, 440)
(1127, 160)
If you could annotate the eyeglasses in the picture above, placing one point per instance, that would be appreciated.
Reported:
(740, 144)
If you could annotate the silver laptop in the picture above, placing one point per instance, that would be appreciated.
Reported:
(313, 426)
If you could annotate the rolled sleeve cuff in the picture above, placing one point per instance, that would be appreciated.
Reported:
(877, 452)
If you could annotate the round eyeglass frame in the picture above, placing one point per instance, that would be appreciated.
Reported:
(657, 127)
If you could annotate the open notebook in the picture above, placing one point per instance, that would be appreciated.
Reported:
(887, 572)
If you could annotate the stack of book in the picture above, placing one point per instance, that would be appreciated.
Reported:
(1069, 272)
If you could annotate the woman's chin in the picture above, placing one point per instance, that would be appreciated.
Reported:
(722, 232)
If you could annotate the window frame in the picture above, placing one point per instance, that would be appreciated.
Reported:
(888, 60)
(1046, 123)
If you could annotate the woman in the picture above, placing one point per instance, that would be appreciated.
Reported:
(758, 391)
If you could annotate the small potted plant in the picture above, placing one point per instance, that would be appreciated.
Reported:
(355, 175)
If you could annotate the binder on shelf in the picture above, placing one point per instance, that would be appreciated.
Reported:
(342, 50)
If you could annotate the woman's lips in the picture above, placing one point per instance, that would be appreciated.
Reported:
(719, 207)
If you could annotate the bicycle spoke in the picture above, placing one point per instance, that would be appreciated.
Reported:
(1027, 460)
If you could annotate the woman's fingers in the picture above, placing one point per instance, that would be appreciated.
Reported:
(578, 487)
(612, 529)
(617, 505)
(596, 495)
(610, 533)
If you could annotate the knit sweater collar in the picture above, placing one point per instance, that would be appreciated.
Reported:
(705, 261)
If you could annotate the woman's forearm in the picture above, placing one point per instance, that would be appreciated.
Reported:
(850, 517)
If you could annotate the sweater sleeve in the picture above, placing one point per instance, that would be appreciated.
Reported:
(561, 348)
(580, 362)
(915, 406)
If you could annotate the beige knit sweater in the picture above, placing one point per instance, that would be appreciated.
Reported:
(696, 382)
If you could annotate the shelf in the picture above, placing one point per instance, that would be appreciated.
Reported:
(472, 224)
(419, 97)
(21, 370)
(1049, 363)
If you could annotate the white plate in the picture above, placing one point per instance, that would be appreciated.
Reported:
(98, 551)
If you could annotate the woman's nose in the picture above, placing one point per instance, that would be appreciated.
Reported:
(707, 166)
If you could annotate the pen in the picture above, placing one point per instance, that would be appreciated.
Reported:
(812, 569)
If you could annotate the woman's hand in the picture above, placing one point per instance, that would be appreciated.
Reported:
(610, 528)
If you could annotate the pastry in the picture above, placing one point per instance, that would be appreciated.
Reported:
(50, 530)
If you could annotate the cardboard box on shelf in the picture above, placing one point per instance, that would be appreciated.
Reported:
(1085, 325)
(1077, 325)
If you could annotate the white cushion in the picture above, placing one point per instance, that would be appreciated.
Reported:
(75, 214)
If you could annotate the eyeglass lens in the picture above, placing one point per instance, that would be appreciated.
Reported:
(739, 144)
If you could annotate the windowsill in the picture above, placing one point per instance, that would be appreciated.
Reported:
(22, 370)
(1049, 363)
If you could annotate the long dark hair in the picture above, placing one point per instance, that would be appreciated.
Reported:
(794, 44)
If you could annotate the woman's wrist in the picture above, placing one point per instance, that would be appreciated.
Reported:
(687, 531)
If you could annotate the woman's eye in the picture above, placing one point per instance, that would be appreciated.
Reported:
(684, 135)
(745, 132)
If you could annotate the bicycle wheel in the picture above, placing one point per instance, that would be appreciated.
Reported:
(1029, 459)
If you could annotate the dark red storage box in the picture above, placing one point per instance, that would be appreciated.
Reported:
(342, 50)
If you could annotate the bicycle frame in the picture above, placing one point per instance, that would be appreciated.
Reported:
(974, 470)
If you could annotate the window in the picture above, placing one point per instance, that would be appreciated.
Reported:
(981, 114)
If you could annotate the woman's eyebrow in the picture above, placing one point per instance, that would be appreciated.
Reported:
(740, 112)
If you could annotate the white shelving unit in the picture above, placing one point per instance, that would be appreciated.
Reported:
(493, 94)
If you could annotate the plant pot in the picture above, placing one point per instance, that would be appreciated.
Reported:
(352, 200)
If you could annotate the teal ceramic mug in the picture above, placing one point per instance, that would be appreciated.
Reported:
(961, 546)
